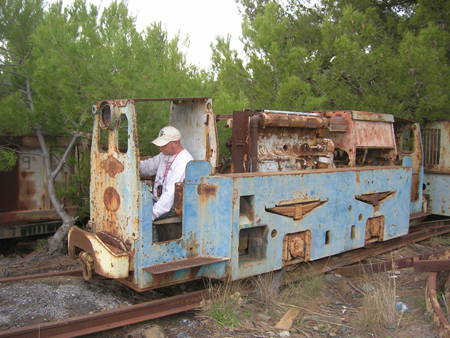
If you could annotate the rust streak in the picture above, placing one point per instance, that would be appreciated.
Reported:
(206, 191)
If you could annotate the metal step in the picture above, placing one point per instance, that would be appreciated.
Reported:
(183, 264)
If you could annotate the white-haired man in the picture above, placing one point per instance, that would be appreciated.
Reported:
(169, 167)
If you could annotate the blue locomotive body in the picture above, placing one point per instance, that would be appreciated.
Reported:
(298, 187)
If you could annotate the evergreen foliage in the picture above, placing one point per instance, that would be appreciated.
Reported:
(383, 56)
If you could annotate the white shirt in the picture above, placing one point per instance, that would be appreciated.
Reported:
(169, 169)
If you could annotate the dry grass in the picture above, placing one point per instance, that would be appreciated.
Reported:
(272, 293)
(307, 289)
(379, 304)
(267, 290)
(437, 241)
(227, 302)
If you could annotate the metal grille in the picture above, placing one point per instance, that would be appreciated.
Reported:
(431, 146)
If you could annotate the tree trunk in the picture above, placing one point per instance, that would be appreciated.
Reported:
(56, 243)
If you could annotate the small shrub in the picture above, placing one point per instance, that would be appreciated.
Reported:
(223, 302)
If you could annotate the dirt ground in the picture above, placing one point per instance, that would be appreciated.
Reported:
(335, 312)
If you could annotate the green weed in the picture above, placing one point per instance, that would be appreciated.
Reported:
(223, 303)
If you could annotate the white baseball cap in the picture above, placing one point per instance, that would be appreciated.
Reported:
(166, 135)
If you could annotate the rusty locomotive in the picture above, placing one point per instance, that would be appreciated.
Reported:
(299, 186)
(25, 206)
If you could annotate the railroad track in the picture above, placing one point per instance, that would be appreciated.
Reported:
(102, 321)
(42, 275)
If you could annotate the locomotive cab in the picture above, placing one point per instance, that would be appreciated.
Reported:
(123, 242)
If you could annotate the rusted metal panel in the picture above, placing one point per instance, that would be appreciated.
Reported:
(239, 142)
(178, 200)
(114, 174)
(371, 116)
(338, 124)
(331, 224)
(108, 260)
(374, 134)
(29, 229)
(362, 138)
(374, 229)
(114, 193)
(291, 120)
(429, 265)
(437, 192)
(9, 181)
(222, 225)
(296, 247)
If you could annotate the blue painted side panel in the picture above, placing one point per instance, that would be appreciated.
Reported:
(337, 215)
(437, 186)
(212, 220)
(200, 234)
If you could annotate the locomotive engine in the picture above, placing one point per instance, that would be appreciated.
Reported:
(299, 186)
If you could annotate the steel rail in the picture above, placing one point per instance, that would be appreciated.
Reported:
(102, 321)
(42, 275)
(424, 262)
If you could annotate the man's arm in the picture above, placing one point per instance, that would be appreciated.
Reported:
(149, 167)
